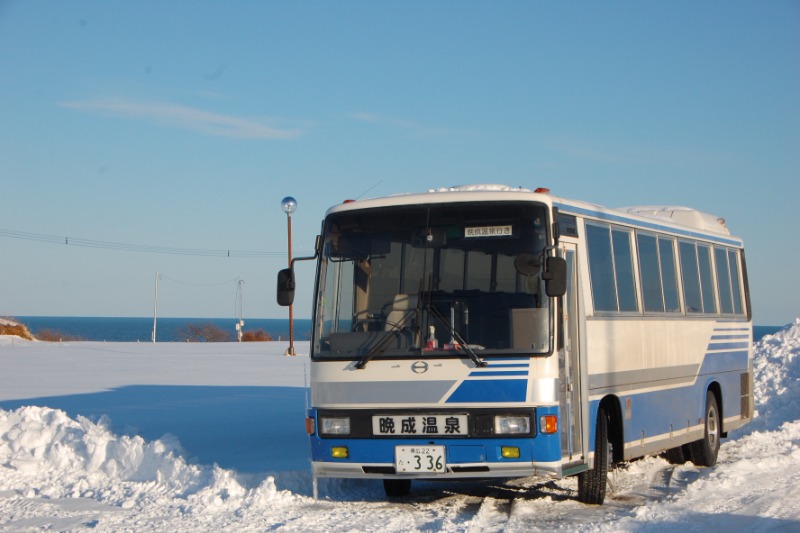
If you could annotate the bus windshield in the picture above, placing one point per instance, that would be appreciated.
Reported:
(439, 279)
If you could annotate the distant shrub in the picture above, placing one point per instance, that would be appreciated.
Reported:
(256, 336)
(51, 335)
(18, 330)
(203, 333)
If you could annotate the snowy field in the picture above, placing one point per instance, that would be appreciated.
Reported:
(210, 437)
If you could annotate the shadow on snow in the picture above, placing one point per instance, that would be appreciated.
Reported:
(249, 429)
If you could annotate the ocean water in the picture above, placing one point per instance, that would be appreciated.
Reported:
(116, 329)
(133, 329)
(761, 331)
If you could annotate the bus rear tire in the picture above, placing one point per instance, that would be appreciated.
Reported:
(704, 451)
(592, 483)
(397, 488)
(678, 455)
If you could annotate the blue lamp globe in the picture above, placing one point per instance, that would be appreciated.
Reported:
(288, 205)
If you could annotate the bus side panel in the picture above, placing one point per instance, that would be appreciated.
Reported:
(663, 405)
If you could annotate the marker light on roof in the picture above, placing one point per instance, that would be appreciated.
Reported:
(543, 190)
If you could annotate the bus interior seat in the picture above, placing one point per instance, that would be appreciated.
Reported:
(402, 305)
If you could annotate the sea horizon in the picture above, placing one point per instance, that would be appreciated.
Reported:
(168, 329)
(173, 329)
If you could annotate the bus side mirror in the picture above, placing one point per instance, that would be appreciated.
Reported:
(286, 287)
(555, 276)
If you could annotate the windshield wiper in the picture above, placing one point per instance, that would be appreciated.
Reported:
(456, 335)
(381, 344)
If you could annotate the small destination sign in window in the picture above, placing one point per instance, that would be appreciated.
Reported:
(488, 231)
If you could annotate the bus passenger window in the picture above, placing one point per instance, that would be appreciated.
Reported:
(723, 281)
(691, 277)
(736, 282)
(669, 275)
(623, 265)
(651, 274)
(706, 280)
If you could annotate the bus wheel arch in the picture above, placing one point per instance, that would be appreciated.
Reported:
(616, 430)
(592, 483)
(715, 388)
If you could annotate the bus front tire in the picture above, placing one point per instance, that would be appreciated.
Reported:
(397, 488)
(592, 483)
(704, 451)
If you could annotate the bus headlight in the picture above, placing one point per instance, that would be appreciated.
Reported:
(334, 426)
(512, 425)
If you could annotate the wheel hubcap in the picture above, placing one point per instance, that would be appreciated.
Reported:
(713, 428)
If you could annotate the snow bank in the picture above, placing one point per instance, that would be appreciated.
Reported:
(46, 454)
(776, 362)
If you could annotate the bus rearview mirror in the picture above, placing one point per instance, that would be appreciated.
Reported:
(555, 276)
(286, 287)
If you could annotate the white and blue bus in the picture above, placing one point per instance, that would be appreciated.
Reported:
(495, 332)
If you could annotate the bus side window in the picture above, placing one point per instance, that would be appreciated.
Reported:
(691, 277)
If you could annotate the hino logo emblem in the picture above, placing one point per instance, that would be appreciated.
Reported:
(419, 367)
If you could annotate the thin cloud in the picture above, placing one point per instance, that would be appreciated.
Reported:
(407, 125)
(184, 117)
(591, 151)
(634, 153)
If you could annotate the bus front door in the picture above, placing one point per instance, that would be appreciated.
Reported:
(572, 400)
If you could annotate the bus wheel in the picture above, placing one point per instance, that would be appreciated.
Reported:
(395, 488)
(704, 451)
(592, 483)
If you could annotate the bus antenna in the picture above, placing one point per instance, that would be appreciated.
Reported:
(365, 192)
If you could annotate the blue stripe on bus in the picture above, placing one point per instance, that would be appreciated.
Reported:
(490, 391)
(727, 345)
(730, 361)
(498, 373)
(729, 337)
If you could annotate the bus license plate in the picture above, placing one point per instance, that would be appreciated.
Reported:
(419, 459)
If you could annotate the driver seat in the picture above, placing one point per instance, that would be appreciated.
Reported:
(402, 305)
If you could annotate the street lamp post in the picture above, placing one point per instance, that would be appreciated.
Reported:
(289, 205)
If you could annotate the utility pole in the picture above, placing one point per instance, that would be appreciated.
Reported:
(239, 301)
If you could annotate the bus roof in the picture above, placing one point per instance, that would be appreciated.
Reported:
(681, 215)
(664, 217)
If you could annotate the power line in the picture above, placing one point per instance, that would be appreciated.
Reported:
(217, 284)
(142, 248)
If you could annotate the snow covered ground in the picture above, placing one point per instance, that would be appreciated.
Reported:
(210, 437)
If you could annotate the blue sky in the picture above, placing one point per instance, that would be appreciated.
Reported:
(182, 125)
